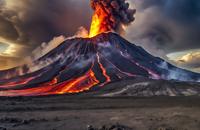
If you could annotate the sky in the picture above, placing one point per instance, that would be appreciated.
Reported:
(166, 28)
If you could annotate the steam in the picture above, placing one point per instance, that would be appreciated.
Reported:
(47, 47)
(82, 32)
(176, 74)
(30, 65)
(117, 13)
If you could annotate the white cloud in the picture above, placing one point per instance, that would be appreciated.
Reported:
(191, 60)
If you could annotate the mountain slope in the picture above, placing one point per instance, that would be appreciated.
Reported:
(79, 64)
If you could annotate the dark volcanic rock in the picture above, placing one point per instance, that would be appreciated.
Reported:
(79, 64)
(110, 127)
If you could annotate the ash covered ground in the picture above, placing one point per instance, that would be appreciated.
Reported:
(68, 112)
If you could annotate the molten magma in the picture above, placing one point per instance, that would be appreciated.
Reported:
(98, 24)
(15, 83)
(75, 85)
(103, 71)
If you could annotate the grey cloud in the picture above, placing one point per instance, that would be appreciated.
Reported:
(168, 25)
(7, 30)
(29, 23)
(35, 21)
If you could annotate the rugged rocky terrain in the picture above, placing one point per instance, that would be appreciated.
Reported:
(144, 87)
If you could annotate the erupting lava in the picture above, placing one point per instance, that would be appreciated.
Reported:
(98, 26)
(110, 15)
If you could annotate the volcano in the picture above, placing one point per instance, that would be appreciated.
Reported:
(81, 64)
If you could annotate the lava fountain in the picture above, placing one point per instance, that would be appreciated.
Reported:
(110, 15)
(97, 25)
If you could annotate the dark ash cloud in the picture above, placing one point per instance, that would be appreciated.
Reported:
(26, 24)
(8, 31)
(167, 25)
(32, 22)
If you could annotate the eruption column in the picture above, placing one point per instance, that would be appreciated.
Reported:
(110, 15)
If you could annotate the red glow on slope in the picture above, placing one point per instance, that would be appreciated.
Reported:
(103, 70)
(76, 85)
(16, 83)
(80, 84)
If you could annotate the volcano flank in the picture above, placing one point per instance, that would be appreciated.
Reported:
(82, 64)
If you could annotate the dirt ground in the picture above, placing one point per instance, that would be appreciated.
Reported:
(76, 113)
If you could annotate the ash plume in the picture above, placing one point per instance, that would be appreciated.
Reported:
(117, 13)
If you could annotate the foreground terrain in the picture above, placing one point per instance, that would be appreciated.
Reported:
(67, 112)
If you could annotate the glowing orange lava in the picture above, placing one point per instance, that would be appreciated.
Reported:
(75, 85)
(15, 83)
(98, 26)
(80, 84)
(103, 71)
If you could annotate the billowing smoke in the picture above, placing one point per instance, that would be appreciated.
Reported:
(117, 13)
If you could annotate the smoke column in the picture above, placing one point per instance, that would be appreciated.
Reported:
(110, 15)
